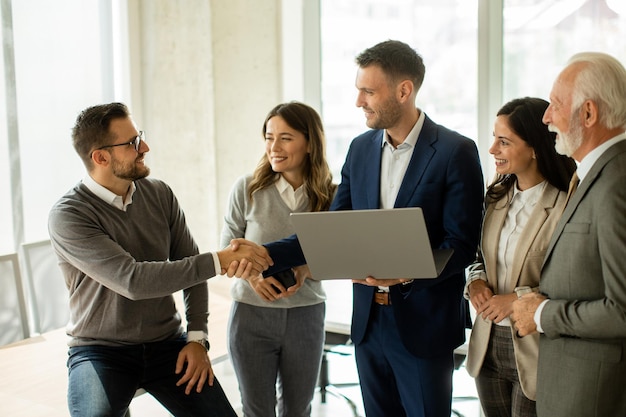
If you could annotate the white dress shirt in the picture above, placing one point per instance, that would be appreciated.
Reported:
(394, 163)
(520, 209)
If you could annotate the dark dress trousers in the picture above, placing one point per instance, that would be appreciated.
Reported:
(444, 178)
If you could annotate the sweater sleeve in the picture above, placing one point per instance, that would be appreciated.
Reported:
(86, 249)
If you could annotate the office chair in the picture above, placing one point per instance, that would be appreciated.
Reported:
(460, 354)
(333, 339)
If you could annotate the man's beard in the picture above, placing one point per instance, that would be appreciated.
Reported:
(568, 143)
(129, 171)
(388, 117)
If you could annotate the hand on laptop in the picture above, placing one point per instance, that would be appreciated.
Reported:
(301, 273)
(373, 282)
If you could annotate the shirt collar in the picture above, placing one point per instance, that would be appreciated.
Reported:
(411, 138)
(529, 196)
(293, 198)
(107, 195)
(283, 185)
(585, 165)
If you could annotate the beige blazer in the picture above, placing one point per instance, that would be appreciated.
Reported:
(526, 268)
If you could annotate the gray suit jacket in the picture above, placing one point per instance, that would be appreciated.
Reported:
(582, 353)
(529, 255)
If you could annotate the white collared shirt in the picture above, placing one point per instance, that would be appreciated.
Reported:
(395, 162)
(293, 198)
(520, 208)
(587, 162)
(109, 196)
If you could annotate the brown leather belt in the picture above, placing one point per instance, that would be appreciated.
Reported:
(382, 298)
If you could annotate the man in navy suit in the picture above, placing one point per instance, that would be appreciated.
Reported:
(405, 331)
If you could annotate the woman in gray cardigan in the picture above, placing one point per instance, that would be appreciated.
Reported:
(523, 205)
(276, 329)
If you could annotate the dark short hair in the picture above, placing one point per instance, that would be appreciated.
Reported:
(91, 129)
(397, 60)
(525, 119)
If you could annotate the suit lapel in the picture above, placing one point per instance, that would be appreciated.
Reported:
(491, 237)
(538, 217)
(422, 154)
(372, 167)
(582, 189)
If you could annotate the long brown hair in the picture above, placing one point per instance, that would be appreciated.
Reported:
(318, 180)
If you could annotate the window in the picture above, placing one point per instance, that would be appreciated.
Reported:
(64, 62)
(538, 36)
(444, 33)
(541, 35)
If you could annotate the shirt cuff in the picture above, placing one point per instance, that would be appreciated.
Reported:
(216, 264)
(537, 316)
(196, 335)
(471, 279)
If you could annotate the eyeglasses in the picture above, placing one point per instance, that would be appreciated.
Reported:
(136, 142)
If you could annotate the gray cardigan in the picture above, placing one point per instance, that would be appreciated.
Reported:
(263, 220)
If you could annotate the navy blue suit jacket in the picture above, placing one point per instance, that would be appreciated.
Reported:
(445, 179)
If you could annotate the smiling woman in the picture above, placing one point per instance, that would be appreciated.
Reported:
(276, 330)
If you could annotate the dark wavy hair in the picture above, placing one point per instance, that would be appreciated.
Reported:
(524, 117)
(318, 180)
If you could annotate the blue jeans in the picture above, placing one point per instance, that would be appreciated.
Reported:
(103, 381)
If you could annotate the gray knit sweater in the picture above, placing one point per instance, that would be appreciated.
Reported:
(122, 267)
(265, 219)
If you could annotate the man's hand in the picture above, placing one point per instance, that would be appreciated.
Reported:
(374, 282)
(198, 371)
(244, 257)
(524, 310)
(301, 272)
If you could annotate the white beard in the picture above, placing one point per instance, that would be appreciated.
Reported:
(568, 143)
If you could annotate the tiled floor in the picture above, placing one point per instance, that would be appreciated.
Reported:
(341, 370)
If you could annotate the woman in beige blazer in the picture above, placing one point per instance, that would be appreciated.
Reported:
(523, 205)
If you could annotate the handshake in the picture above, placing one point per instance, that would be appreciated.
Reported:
(244, 259)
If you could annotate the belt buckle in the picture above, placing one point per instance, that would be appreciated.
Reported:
(382, 298)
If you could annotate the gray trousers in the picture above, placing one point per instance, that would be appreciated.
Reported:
(276, 354)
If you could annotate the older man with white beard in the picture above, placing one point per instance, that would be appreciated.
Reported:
(580, 310)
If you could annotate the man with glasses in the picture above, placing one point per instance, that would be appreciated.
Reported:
(124, 249)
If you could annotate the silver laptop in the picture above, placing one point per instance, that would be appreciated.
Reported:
(355, 244)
